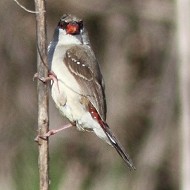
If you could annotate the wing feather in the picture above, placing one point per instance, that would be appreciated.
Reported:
(81, 62)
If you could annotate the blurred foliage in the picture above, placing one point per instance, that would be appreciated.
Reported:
(134, 43)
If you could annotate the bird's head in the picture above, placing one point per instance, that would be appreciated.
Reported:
(71, 30)
(70, 24)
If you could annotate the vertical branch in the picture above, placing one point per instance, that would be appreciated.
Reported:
(183, 26)
(43, 109)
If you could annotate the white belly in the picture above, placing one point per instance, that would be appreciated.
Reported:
(66, 94)
(69, 105)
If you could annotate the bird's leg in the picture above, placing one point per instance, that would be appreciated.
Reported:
(52, 132)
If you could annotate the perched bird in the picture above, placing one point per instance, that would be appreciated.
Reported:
(78, 86)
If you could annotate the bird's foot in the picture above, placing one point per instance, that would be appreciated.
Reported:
(51, 76)
(42, 79)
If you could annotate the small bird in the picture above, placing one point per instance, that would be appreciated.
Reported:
(78, 87)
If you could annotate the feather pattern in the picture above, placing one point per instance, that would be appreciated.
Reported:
(79, 89)
(88, 76)
(111, 137)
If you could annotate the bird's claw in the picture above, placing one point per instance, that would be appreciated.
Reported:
(45, 136)
(42, 79)
(38, 137)
(51, 77)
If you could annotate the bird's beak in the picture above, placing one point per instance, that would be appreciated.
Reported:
(72, 28)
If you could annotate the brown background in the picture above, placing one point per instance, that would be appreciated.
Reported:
(134, 42)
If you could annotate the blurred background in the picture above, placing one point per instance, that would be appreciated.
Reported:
(136, 45)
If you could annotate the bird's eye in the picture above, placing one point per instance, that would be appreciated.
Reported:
(80, 23)
(62, 24)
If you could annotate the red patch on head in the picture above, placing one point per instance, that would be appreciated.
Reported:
(72, 28)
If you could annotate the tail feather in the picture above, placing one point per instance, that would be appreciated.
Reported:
(115, 143)
(112, 139)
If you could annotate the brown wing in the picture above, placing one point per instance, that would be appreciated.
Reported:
(82, 63)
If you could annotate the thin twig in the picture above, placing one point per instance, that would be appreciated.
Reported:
(41, 57)
(43, 108)
(27, 10)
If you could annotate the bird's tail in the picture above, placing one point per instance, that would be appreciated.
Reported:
(111, 138)
(116, 144)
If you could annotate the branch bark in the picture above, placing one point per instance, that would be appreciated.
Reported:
(43, 107)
